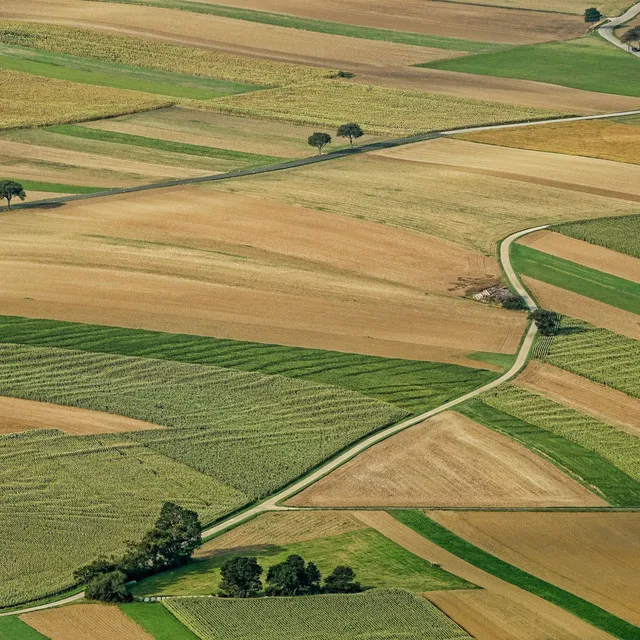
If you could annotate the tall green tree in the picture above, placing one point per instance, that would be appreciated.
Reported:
(342, 580)
(546, 321)
(293, 577)
(319, 140)
(108, 587)
(592, 15)
(10, 190)
(240, 578)
(631, 35)
(350, 130)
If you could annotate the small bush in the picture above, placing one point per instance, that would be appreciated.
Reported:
(514, 303)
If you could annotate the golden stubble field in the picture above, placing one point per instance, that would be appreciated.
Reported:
(200, 261)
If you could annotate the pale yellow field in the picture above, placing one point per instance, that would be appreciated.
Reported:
(591, 138)
(36, 101)
(610, 8)
(450, 202)
(594, 555)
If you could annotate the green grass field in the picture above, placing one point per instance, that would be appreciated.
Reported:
(383, 613)
(156, 621)
(597, 354)
(588, 63)
(617, 292)
(413, 385)
(377, 561)
(619, 234)
(12, 628)
(318, 26)
(54, 187)
(618, 447)
(110, 74)
(447, 540)
(583, 464)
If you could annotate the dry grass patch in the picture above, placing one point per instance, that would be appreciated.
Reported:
(614, 407)
(448, 460)
(85, 621)
(591, 138)
(593, 555)
(608, 7)
(592, 311)
(36, 101)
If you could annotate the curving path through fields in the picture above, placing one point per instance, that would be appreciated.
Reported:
(607, 31)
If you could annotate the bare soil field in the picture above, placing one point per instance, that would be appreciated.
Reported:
(446, 461)
(610, 8)
(279, 528)
(84, 622)
(204, 262)
(587, 175)
(23, 415)
(577, 306)
(612, 406)
(561, 623)
(593, 555)
(453, 202)
(602, 139)
(490, 24)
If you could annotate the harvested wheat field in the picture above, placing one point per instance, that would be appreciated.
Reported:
(602, 139)
(592, 311)
(605, 403)
(483, 23)
(23, 415)
(280, 528)
(584, 253)
(593, 555)
(601, 177)
(562, 624)
(608, 7)
(446, 461)
(209, 263)
(450, 202)
(85, 622)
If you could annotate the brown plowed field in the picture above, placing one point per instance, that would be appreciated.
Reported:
(608, 7)
(584, 253)
(447, 460)
(483, 23)
(204, 262)
(577, 306)
(24, 415)
(279, 528)
(563, 625)
(593, 555)
(602, 139)
(612, 406)
(85, 622)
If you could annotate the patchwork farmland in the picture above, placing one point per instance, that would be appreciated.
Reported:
(319, 320)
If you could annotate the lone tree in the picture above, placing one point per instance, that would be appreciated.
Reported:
(10, 190)
(592, 15)
(631, 35)
(293, 577)
(350, 130)
(108, 587)
(240, 578)
(319, 140)
(546, 321)
(342, 580)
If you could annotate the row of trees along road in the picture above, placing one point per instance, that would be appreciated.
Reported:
(241, 578)
(351, 130)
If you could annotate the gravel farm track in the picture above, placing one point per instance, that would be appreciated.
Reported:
(273, 503)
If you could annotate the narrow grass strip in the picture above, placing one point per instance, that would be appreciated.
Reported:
(54, 187)
(87, 133)
(594, 284)
(588, 467)
(157, 621)
(583, 609)
(319, 26)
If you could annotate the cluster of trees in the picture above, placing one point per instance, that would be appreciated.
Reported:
(241, 578)
(320, 140)
(548, 322)
(10, 190)
(170, 544)
(632, 35)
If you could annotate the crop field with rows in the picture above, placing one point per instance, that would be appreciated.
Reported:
(619, 447)
(597, 354)
(383, 613)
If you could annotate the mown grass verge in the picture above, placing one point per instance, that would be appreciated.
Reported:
(250, 159)
(157, 621)
(587, 466)
(319, 26)
(603, 68)
(583, 609)
(594, 284)
(55, 187)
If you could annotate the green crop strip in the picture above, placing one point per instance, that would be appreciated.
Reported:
(586, 465)
(12, 628)
(72, 68)
(318, 26)
(55, 187)
(156, 621)
(617, 292)
(162, 145)
(585, 610)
